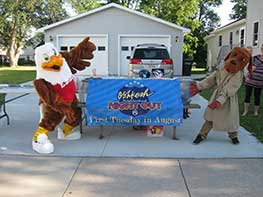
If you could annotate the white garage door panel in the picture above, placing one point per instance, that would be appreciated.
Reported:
(128, 42)
(99, 63)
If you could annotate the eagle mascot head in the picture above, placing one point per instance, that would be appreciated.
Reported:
(51, 66)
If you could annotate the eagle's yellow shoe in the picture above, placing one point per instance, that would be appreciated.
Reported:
(68, 133)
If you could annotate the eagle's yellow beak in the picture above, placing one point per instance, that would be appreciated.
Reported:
(54, 64)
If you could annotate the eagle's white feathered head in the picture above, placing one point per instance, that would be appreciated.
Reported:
(51, 66)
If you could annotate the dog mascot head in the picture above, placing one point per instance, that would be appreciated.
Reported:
(237, 59)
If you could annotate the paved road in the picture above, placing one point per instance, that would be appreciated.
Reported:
(111, 177)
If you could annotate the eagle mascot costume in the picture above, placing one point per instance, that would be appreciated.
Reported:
(57, 92)
(222, 112)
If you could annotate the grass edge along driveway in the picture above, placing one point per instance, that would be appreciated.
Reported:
(16, 75)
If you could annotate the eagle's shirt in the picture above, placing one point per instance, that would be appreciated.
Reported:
(67, 91)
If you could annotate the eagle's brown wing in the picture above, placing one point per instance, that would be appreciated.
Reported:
(78, 56)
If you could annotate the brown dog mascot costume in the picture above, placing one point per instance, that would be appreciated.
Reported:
(222, 112)
(57, 92)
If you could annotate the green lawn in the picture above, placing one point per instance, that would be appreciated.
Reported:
(195, 70)
(249, 122)
(16, 75)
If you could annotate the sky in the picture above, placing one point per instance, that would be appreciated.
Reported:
(223, 11)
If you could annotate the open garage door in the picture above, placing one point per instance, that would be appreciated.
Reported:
(99, 63)
(127, 43)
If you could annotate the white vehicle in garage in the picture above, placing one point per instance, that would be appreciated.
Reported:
(153, 58)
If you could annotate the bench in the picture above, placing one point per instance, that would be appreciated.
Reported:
(101, 136)
(24, 90)
(83, 87)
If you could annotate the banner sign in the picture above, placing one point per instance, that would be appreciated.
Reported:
(134, 102)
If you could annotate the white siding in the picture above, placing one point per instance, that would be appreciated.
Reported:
(213, 47)
(254, 14)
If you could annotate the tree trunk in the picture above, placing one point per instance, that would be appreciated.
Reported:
(11, 51)
(12, 57)
(14, 50)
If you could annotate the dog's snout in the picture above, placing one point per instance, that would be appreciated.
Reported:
(233, 62)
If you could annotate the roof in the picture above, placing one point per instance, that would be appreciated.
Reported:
(225, 27)
(114, 5)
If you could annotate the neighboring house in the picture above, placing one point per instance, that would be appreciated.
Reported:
(254, 26)
(223, 39)
(245, 32)
(26, 56)
(2, 56)
(115, 30)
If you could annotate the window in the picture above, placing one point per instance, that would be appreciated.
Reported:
(231, 40)
(125, 48)
(255, 34)
(151, 53)
(63, 48)
(71, 47)
(101, 48)
(220, 40)
(242, 37)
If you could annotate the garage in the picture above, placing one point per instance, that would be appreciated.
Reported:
(99, 63)
(115, 30)
(127, 43)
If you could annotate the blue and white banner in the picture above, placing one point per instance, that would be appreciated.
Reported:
(134, 102)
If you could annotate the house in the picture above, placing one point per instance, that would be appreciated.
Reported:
(115, 30)
(254, 25)
(223, 39)
(26, 56)
(243, 33)
(2, 56)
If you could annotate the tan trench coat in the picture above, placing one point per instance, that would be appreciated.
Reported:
(225, 118)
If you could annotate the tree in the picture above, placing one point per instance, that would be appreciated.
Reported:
(36, 40)
(197, 15)
(209, 21)
(176, 11)
(84, 5)
(239, 9)
(127, 3)
(207, 16)
(19, 17)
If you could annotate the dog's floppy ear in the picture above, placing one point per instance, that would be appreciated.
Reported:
(227, 56)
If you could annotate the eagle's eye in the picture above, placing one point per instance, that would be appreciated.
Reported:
(46, 57)
(55, 53)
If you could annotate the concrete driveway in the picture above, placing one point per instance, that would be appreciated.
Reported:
(123, 141)
(127, 162)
